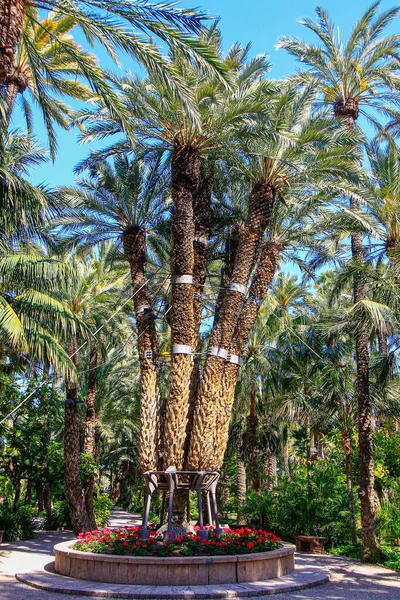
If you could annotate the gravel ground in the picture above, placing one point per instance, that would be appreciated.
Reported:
(350, 580)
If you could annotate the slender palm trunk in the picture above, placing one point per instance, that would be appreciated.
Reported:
(134, 244)
(12, 13)
(17, 492)
(269, 469)
(263, 276)
(346, 444)
(285, 457)
(370, 547)
(202, 229)
(28, 492)
(185, 180)
(371, 551)
(250, 445)
(73, 486)
(202, 449)
(242, 488)
(90, 425)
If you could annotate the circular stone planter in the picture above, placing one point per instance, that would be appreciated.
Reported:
(191, 570)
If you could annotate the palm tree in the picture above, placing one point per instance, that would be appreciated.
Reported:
(45, 68)
(123, 202)
(282, 159)
(23, 206)
(117, 26)
(353, 78)
(32, 319)
(163, 121)
(88, 297)
(384, 187)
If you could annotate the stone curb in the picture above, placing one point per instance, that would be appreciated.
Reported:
(303, 577)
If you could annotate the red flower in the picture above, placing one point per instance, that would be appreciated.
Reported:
(250, 545)
(125, 544)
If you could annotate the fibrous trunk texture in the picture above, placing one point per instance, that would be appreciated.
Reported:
(185, 174)
(73, 486)
(231, 248)
(134, 244)
(371, 551)
(241, 486)
(269, 469)
(250, 445)
(12, 14)
(202, 450)
(89, 433)
(346, 444)
(264, 274)
(202, 215)
(370, 548)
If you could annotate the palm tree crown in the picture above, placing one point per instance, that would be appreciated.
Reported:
(361, 73)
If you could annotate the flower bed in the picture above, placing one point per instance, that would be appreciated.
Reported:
(125, 542)
(173, 569)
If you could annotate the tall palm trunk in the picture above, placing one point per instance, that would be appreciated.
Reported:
(90, 425)
(201, 450)
(202, 215)
(346, 444)
(269, 469)
(242, 488)
(17, 492)
(73, 486)
(370, 547)
(371, 551)
(185, 180)
(250, 445)
(12, 13)
(264, 274)
(231, 248)
(134, 244)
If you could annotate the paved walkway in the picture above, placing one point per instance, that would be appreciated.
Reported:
(350, 580)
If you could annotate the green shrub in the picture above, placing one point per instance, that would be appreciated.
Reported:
(102, 508)
(18, 525)
(59, 518)
(312, 502)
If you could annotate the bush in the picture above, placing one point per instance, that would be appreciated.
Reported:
(102, 508)
(59, 518)
(18, 525)
(312, 502)
(388, 521)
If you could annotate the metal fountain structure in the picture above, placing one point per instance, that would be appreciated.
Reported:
(204, 483)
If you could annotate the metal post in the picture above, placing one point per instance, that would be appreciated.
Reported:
(198, 482)
(213, 489)
(169, 534)
(209, 512)
(151, 486)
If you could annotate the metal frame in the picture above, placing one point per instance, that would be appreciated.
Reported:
(202, 482)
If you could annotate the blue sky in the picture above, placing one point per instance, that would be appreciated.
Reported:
(260, 22)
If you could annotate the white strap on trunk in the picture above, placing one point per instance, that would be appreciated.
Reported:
(148, 354)
(215, 351)
(181, 349)
(186, 279)
(238, 287)
(235, 359)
